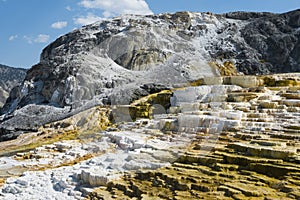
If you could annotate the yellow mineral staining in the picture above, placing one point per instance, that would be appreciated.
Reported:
(35, 140)
(93, 120)
(89, 121)
(197, 82)
(198, 179)
(149, 105)
(157, 98)
(2, 181)
(269, 81)
(243, 164)
(69, 163)
(254, 161)
(226, 69)
(281, 80)
(142, 108)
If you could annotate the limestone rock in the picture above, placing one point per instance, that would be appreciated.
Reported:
(241, 150)
(204, 148)
(110, 61)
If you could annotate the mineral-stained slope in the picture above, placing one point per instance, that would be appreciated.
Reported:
(207, 130)
(238, 139)
(118, 60)
(254, 156)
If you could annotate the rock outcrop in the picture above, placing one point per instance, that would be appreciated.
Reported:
(9, 78)
(241, 148)
(114, 61)
(235, 140)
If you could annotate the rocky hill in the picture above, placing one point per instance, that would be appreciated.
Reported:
(118, 60)
(9, 78)
(169, 106)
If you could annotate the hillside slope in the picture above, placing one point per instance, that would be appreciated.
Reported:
(118, 60)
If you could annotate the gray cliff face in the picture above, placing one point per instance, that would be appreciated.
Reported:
(113, 61)
(96, 60)
(9, 78)
(273, 44)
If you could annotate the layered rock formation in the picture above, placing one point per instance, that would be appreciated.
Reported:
(202, 135)
(118, 60)
(243, 147)
(235, 141)
(9, 78)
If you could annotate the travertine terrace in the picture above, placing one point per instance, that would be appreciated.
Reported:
(229, 138)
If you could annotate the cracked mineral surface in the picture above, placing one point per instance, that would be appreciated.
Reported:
(213, 142)
(169, 106)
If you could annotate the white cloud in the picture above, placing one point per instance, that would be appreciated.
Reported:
(13, 37)
(41, 38)
(59, 25)
(116, 7)
(28, 39)
(84, 20)
(68, 8)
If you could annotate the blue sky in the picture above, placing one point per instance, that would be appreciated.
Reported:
(27, 26)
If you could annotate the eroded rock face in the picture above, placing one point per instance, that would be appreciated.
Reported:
(275, 40)
(78, 65)
(110, 61)
(142, 59)
(9, 78)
